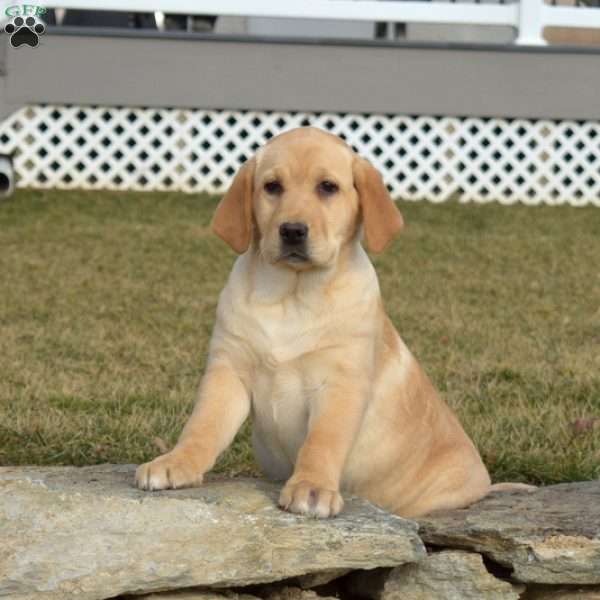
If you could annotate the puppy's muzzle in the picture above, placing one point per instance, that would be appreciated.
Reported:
(293, 238)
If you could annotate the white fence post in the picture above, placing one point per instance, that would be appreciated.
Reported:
(531, 23)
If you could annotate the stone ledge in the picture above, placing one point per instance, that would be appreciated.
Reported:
(549, 536)
(87, 533)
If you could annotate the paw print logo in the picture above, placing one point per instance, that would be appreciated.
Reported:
(24, 30)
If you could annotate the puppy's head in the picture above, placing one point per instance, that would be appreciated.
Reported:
(302, 198)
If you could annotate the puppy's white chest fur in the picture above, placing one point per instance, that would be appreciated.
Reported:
(278, 316)
(281, 403)
(282, 390)
(283, 332)
(278, 333)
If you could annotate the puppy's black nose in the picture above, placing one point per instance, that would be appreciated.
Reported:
(293, 233)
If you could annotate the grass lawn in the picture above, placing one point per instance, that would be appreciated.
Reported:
(107, 302)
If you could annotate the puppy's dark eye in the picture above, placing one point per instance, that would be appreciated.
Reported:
(274, 188)
(327, 188)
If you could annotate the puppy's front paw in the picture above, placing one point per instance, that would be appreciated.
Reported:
(306, 498)
(172, 470)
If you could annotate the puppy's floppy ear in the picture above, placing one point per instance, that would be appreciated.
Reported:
(382, 221)
(232, 221)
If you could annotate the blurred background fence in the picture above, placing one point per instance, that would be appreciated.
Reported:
(477, 101)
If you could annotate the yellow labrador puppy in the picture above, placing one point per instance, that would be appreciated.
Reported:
(303, 344)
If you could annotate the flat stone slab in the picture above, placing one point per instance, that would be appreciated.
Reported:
(89, 533)
(549, 536)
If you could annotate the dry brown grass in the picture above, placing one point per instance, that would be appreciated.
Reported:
(107, 302)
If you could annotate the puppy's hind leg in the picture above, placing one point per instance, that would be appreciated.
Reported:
(457, 480)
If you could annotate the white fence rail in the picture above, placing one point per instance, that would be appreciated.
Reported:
(529, 17)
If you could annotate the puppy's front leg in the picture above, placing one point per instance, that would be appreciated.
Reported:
(334, 422)
(222, 406)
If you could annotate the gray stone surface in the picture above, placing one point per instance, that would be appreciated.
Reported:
(194, 595)
(549, 536)
(562, 593)
(451, 575)
(293, 593)
(315, 579)
(88, 533)
(444, 575)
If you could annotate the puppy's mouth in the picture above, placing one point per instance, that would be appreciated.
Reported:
(294, 256)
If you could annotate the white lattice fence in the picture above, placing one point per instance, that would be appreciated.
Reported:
(433, 158)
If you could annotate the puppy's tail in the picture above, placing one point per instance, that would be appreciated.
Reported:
(513, 487)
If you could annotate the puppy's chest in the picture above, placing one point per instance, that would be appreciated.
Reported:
(278, 335)
(283, 386)
(281, 405)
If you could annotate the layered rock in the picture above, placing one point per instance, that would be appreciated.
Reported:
(283, 593)
(447, 575)
(563, 593)
(549, 536)
(88, 532)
